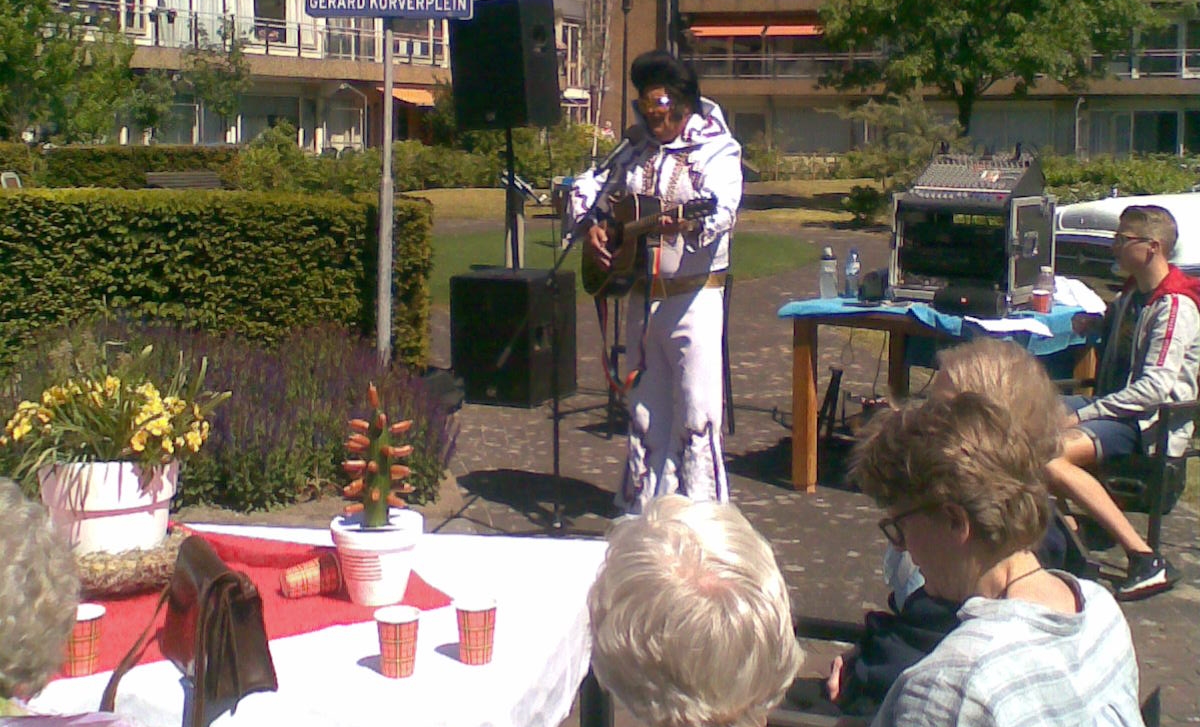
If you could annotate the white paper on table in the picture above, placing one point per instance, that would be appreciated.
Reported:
(1069, 291)
(1011, 325)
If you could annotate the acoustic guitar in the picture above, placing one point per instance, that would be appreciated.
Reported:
(633, 217)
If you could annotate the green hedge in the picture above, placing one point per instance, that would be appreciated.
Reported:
(256, 264)
(21, 159)
(126, 166)
(1074, 180)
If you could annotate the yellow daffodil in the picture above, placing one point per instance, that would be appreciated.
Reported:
(21, 429)
(138, 442)
(194, 440)
(168, 445)
(111, 386)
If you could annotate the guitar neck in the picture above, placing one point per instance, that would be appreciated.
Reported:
(643, 226)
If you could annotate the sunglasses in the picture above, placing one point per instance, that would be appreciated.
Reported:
(891, 525)
(1121, 239)
(658, 103)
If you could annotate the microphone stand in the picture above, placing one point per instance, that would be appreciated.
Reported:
(555, 289)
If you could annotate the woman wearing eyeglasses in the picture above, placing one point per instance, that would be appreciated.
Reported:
(681, 152)
(965, 492)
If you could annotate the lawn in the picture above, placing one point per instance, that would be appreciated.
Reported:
(461, 240)
(756, 254)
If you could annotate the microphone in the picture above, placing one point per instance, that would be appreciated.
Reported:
(633, 136)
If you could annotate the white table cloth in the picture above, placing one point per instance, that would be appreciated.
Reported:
(331, 677)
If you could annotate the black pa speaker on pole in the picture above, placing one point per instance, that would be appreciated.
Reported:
(504, 63)
(502, 328)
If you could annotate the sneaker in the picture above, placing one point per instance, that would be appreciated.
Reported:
(1148, 574)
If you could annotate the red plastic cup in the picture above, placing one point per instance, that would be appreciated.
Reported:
(83, 646)
(397, 640)
(476, 629)
(1042, 301)
(312, 577)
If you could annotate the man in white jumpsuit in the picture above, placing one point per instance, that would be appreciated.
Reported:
(675, 408)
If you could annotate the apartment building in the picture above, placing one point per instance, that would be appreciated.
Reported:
(760, 59)
(324, 75)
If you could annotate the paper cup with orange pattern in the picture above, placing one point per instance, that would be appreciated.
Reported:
(476, 629)
(312, 577)
(397, 640)
(83, 646)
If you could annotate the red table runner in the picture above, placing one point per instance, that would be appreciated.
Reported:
(263, 561)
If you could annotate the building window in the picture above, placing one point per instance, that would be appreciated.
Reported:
(270, 21)
(1155, 132)
(1159, 55)
(1191, 132)
(1191, 53)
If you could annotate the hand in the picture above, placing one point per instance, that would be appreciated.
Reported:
(839, 674)
(668, 225)
(597, 247)
(1084, 323)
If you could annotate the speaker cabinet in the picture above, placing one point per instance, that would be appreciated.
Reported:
(505, 65)
(501, 326)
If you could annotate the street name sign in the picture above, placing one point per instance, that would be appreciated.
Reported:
(415, 9)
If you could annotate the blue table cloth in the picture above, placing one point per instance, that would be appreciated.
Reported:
(1058, 320)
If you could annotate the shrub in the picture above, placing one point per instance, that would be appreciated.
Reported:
(22, 159)
(126, 166)
(279, 437)
(864, 203)
(1074, 180)
(260, 265)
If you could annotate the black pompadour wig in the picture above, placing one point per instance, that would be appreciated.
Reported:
(660, 68)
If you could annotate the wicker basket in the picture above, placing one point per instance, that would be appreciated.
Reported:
(134, 571)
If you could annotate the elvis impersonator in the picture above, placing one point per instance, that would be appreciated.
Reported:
(683, 152)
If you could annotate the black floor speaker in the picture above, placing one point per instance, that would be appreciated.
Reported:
(501, 325)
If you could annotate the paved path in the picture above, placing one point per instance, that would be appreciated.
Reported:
(827, 543)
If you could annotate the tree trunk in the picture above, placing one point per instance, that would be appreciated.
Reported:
(965, 102)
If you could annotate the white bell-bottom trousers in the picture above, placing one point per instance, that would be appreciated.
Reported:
(675, 413)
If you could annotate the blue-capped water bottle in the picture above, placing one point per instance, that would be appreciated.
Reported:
(853, 274)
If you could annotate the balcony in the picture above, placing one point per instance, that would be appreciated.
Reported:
(774, 65)
(1144, 64)
(313, 38)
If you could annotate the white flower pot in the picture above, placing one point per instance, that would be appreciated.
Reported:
(103, 508)
(376, 562)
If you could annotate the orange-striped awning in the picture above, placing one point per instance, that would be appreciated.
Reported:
(414, 96)
(725, 31)
(795, 30)
(728, 31)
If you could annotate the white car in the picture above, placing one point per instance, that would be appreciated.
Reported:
(1083, 235)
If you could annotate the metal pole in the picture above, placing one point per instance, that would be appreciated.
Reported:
(383, 326)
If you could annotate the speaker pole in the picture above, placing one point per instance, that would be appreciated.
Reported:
(552, 280)
(614, 351)
(513, 201)
(383, 316)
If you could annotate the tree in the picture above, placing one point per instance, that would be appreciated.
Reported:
(102, 84)
(217, 71)
(39, 56)
(964, 47)
(904, 134)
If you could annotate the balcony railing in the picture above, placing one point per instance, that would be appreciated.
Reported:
(173, 28)
(1147, 63)
(774, 65)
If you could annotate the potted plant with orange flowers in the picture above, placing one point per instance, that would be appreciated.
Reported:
(105, 444)
(376, 535)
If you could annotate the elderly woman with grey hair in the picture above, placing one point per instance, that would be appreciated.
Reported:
(690, 618)
(39, 591)
(964, 486)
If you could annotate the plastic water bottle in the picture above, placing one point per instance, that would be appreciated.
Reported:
(1043, 290)
(853, 274)
(828, 282)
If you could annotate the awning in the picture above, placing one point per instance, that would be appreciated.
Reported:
(795, 30)
(414, 96)
(725, 31)
(742, 31)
